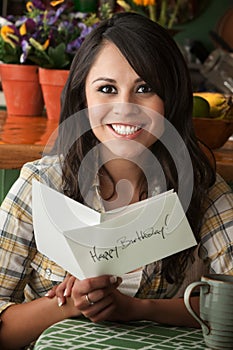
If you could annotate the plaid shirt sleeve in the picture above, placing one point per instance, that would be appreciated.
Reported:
(17, 245)
(217, 230)
(20, 262)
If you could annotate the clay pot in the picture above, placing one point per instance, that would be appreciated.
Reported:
(21, 88)
(52, 83)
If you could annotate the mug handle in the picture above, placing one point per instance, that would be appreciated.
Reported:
(187, 295)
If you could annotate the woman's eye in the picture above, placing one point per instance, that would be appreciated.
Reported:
(107, 89)
(143, 89)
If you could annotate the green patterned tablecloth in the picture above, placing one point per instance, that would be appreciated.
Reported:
(85, 335)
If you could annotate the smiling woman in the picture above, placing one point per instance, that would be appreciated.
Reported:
(126, 105)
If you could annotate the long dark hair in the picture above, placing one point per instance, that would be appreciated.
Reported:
(155, 57)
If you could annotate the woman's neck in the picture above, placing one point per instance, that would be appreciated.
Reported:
(121, 183)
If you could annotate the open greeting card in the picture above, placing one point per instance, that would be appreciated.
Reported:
(87, 243)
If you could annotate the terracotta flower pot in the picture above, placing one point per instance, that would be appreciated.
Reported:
(22, 91)
(52, 83)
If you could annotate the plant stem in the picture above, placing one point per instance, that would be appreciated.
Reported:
(163, 13)
(174, 14)
(152, 12)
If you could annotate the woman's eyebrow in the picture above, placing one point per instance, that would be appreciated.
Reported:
(109, 80)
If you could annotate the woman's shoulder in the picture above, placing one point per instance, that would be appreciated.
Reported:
(220, 191)
(46, 170)
(218, 206)
(217, 229)
(44, 163)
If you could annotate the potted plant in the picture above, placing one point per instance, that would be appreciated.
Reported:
(20, 79)
(61, 33)
(45, 37)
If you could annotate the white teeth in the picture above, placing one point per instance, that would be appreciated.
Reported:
(125, 130)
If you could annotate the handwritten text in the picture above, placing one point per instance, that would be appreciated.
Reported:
(106, 255)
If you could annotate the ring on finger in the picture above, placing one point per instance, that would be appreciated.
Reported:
(90, 302)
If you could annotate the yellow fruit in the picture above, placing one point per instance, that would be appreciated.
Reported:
(219, 106)
(201, 107)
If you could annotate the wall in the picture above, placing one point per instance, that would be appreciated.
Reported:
(199, 28)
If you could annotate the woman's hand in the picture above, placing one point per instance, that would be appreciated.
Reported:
(99, 300)
(93, 297)
(62, 290)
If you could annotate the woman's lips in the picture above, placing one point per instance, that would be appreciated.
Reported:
(126, 130)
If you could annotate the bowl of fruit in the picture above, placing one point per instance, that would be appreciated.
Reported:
(213, 118)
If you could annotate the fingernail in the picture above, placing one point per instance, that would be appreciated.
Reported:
(119, 280)
(47, 294)
(60, 302)
(65, 293)
(113, 279)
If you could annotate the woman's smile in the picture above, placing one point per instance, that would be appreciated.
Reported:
(125, 130)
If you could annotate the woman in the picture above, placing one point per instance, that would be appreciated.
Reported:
(127, 67)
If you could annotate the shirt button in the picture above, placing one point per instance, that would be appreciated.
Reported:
(48, 272)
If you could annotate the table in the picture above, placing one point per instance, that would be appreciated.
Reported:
(23, 138)
(84, 335)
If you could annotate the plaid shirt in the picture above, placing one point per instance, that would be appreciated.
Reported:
(26, 274)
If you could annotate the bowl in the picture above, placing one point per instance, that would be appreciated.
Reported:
(213, 132)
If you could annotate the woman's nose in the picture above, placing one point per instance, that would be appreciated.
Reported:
(125, 108)
(125, 96)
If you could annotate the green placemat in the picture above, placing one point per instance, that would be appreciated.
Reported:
(85, 335)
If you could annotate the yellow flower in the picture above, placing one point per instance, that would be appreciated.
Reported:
(5, 31)
(124, 5)
(29, 6)
(46, 44)
(23, 29)
(55, 3)
(7, 35)
(144, 2)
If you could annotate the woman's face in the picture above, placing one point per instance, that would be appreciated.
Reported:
(122, 107)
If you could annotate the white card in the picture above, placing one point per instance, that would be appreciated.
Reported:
(87, 243)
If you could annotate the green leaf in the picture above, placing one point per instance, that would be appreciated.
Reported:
(8, 54)
(40, 58)
(58, 56)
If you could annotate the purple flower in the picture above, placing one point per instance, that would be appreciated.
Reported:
(53, 16)
(38, 4)
(25, 50)
(74, 45)
(30, 25)
(85, 30)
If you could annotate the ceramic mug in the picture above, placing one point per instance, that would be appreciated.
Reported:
(216, 309)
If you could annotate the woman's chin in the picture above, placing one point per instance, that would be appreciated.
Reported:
(124, 149)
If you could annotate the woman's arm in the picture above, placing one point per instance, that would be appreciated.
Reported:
(21, 324)
(164, 311)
